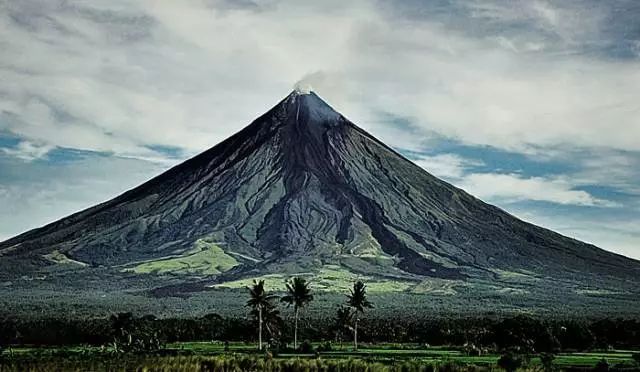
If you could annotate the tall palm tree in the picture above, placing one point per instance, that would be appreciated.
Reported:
(260, 302)
(357, 300)
(342, 322)
(271, 320)
(298, 295)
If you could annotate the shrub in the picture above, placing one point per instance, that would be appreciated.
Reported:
(602, 366)
(510, 362)
(472, 350)
(306, 347)
(325, 347)
(546, 359)
(450, 367)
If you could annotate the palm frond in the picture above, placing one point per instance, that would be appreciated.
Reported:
(357, 298)
(298, 293)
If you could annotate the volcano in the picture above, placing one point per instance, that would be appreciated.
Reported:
(299, 190)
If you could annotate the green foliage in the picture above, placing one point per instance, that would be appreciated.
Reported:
(223, 363)
(546, 360)
(298, 293)
(485, 333)
(325, 347)
(342, 322)
(390, 357)
(263, 311)
(329, 279)
(260, 300)
(525, 335)
(134, 334)
(206, 258)
(577, 335)
(472, 350)
(357, 299)
(510, 362)
(602, 366)
(306, 347)
(636, 358)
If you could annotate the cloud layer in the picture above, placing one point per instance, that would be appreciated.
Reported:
(128, 75)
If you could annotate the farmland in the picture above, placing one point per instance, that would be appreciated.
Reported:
(217, 355)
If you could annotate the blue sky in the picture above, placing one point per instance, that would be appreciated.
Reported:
(530, 105)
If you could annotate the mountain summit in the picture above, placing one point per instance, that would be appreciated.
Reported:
(300, 190)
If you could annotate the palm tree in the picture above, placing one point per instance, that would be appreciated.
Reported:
(260, 302)
(342, 322)
(298, 295)
(271, 320)
(358, 301)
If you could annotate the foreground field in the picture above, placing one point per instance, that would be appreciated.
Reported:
(216, 356)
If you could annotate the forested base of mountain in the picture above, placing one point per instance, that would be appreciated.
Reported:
(33, 303)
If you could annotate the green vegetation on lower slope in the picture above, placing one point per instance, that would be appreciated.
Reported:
(60, 258)
(336, 278)
(332, 278)
(206, 258)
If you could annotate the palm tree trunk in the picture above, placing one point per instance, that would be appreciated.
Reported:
(295, 331)
(260, 328)
(355, 335)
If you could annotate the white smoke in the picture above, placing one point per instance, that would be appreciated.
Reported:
(308, 81)
(303, 88)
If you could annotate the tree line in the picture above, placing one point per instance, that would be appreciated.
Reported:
(521, 332)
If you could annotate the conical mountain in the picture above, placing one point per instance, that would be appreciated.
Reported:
(299, 189)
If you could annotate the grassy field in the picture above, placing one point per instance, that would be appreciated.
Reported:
(205, 258)
(198, 356)
(330, 278)
(391, 352)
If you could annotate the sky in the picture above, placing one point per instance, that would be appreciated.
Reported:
(530, 105)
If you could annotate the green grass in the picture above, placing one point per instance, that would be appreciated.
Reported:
(206, 258)
(389, 355)
(216, 363)
(388, 352)
(590, 359)
(328, 278)
(60, 258)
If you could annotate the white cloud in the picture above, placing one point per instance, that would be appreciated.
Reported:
(564, 23)
(447, 166)
(191, 76)
(615, 233)
(507, 187)
(121, 76)
(620, 171)
(28, 151)
(515, 187)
